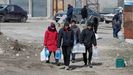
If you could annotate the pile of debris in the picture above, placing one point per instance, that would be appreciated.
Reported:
(10, 46)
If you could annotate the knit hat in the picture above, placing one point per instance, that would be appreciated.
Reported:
(52, 25)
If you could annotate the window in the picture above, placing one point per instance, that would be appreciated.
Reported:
(10, 8)
(78, 3)
(18, 9)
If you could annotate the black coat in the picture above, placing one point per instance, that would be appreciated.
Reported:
(66, 38)
(88, 37)
(84, 13)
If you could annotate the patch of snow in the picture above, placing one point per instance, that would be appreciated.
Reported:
(129, 41)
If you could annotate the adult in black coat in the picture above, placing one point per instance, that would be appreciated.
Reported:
(116, 24)
(88, 39)
(84, 12)
(66, 40)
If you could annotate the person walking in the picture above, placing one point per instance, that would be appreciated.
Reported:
(95, 24)
(116, 25)
(50, 41)
(66, 40)
(88, 39)
(76, 31)
(84, 14)
(69, 13)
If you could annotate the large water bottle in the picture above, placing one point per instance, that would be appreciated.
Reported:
(58, 54)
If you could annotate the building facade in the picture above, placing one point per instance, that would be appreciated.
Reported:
(4, 1)
(47, 8)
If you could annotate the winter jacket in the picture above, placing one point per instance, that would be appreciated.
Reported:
(70, 12)
(76, 31)
(84, 13)
(116, 22)
(65, 37)
(88, 37)
(50, 40)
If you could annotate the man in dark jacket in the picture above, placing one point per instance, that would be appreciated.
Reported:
(84, 13)
(116, 25)
(69, 13)
(95, 24)
(76, 31)
(66, 38)
(88, 39)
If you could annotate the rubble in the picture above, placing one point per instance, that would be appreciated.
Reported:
(9, 46)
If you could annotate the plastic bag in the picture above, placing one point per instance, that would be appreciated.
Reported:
(44, 54)
(78, 48)
(97, 37)
(62, 19)
(58, 54)
(121, 36)
(95, 53)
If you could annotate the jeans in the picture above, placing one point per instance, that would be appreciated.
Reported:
(116, 29)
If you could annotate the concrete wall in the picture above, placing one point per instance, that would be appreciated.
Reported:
(105, 4)
(4, 1)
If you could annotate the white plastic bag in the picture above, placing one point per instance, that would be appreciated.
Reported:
(62, 19)
(42, 55)
(121, 36)
(97, 37)
(95, 54)
(78, 48)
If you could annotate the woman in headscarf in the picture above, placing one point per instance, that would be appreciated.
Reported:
(50, 41)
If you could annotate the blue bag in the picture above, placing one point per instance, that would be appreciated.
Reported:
(46, 54)
(58, 54)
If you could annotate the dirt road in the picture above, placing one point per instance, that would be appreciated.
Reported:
(31, 34)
